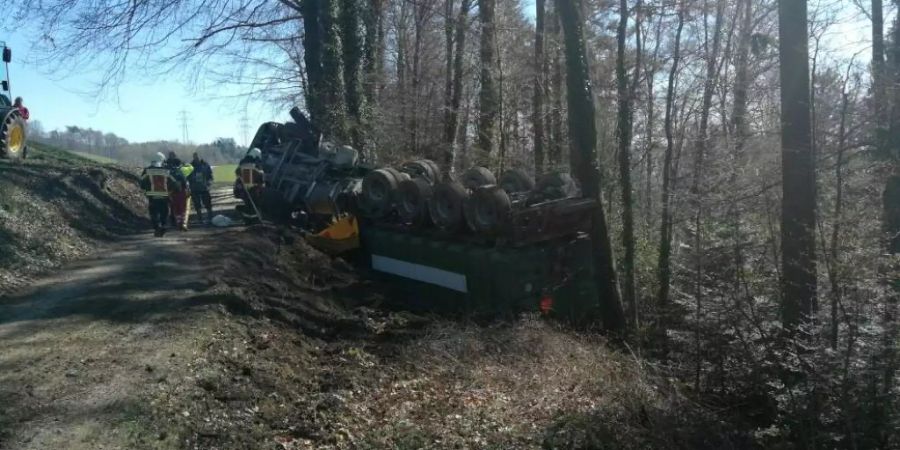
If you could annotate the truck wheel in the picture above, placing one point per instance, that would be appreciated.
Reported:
(13, 135)
(422, 168)
(413, 198)
(476, 177)
(516, 180)
(446, 207)
(435, 171)
(487, 210)
(555, 186)
(379, 190)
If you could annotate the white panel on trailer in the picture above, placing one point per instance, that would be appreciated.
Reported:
(419, 272)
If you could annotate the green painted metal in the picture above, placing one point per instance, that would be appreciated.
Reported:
(498, 279)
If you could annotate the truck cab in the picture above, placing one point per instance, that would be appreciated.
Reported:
(5, 97)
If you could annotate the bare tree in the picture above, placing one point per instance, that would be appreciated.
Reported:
(489, 101)
(626, 92)
(798, 213)
(664, 271)
(539, 89)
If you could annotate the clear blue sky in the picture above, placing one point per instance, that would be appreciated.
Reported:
(146, 109)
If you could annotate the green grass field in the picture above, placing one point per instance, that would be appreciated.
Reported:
(96, 158)
(224, 174)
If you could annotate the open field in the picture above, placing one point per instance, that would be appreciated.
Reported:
(224, 174)
(96, 158)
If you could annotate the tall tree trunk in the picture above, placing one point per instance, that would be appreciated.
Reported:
(833, 256)
(891, 212)
(452, 125)
(741, 131)
(373, 64)
(650, 122)
(879, 98)
(892, 188)
(742, 76)
(449, 28)
(665, 243)
(352, 47)
(798, 213)
(623, 134)
(557, 134)
(489, 98)
(583, 155)
(402, 70)
(539, 90)
(698, 190)
(313, 52)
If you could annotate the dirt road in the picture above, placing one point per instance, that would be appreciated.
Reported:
(79, 349)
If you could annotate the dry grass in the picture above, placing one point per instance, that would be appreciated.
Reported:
(505, 386)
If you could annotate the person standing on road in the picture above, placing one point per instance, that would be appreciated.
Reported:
(200, 180)
(179, 200)
(158, 183)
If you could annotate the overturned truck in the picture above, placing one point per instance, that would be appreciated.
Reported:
(475, 242)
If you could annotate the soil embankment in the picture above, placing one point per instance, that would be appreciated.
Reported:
(57, 207)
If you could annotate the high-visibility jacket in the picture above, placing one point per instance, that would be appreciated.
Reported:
(157, 182)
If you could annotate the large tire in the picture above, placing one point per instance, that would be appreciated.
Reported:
(447, 204)
(413, 198)
(435, 170)
(13, 135)
(476, 177)
(516, 180)
(554, 186)
(487, 210)
(379, 191)
(422, 168)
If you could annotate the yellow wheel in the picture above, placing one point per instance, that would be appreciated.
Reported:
(16, 138)
(13, 135)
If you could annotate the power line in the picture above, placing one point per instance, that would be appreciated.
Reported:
(184, 120)
(245, 129)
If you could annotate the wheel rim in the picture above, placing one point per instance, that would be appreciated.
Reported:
(485, 215)
(16, 138)
(377, 192)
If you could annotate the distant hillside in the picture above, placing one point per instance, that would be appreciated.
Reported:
(106, 147)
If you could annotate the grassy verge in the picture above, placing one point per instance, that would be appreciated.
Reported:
(224, 174)
(96, 158)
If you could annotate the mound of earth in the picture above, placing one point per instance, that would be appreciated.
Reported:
(56, 206)
(301, 359)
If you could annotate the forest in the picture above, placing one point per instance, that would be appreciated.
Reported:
(745, 154)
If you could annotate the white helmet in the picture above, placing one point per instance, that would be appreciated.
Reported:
(254, 153)
(158, 160)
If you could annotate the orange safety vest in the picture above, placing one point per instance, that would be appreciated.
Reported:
(159, 182)
(250, 175)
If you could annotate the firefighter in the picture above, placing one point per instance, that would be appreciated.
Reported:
(158, 183)
(200, 180)
(179, 201)
(249, 185)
